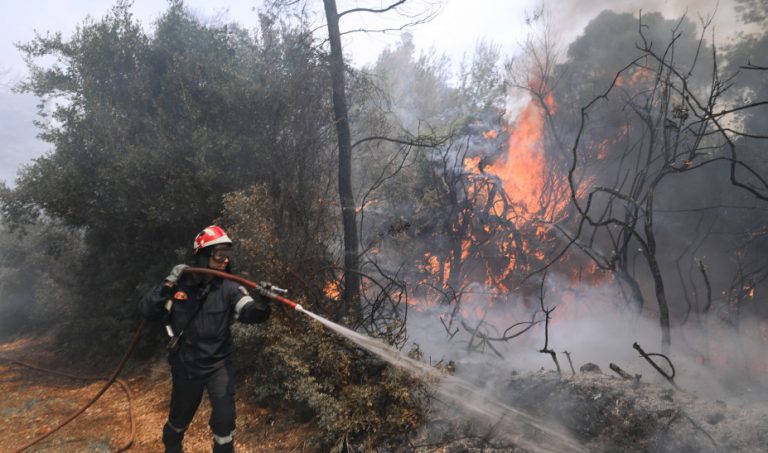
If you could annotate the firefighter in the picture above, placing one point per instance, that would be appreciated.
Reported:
(197, 309)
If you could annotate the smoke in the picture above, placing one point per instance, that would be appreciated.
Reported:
(710, 357)
(570, 18)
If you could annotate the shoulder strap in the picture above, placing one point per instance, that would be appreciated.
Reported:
(203, 298)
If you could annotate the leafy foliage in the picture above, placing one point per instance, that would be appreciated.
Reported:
(150, 131)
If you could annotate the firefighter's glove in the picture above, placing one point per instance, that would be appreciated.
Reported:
(263, 289)
(175, 275)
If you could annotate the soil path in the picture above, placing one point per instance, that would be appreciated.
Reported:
(33, 402)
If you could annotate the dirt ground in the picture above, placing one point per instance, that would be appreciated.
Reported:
(605, 413)
(34, 401)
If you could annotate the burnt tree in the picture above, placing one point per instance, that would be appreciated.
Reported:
(673, 126)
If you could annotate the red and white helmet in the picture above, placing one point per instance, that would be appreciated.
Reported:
(210, 236)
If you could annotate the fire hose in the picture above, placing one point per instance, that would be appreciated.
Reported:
(263, 288)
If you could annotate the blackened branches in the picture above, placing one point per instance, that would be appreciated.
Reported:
(647, 356)
(568, 355)
(547, 312)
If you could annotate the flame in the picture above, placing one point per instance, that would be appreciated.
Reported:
(332, 290)
(365, 205)
(602, 149)
(472, 164)
(530, 192)
(440, 271)
(641, 74)
(549, 101)
(491, 134)
(522, 169)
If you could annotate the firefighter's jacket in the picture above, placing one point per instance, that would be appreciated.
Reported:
(206, 341)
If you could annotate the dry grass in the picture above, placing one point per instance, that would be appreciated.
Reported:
(34, 401)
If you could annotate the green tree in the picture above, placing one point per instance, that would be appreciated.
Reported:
(150, 131)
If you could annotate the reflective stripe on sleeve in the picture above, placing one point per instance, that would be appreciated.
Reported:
(241, 303)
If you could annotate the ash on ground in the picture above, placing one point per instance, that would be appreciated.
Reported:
(604, 413)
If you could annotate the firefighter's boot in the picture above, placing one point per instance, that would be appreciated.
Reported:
(172, 439)
(228, 447)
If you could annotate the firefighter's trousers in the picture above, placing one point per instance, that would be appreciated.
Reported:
(185, 399)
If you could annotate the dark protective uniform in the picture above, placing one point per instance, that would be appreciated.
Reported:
(204, 358)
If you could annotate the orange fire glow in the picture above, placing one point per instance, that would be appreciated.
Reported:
(522, 171)
(332, 290)
(641, 74)
(472, 164)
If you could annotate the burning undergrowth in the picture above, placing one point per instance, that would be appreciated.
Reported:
(706, 408)
(601, 413)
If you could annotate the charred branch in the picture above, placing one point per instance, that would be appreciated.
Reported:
(647, 356)
(448, 329)
(703, 270)
(547, 312)
(617, 369)
(528, 324)
(482, 339)
(753, 67)
(570, 363)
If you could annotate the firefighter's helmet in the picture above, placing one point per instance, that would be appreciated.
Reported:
(212, 235)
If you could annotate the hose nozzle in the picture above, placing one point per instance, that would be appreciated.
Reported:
(272, 288)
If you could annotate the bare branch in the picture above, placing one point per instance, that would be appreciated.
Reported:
(753, 67)
(371, 10)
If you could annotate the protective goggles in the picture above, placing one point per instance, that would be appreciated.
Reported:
(221, 256)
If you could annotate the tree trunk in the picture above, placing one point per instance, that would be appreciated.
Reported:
(348, 216)
(658, 281)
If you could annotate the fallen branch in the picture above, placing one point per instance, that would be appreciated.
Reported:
(647, 356)
(681, 412)
(697, 426)
(616, 369)
(625, 375)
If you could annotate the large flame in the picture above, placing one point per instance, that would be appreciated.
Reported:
(522, 169)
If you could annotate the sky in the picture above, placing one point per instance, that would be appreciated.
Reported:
(455, 31)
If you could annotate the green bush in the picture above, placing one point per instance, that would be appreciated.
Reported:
(302, 366)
